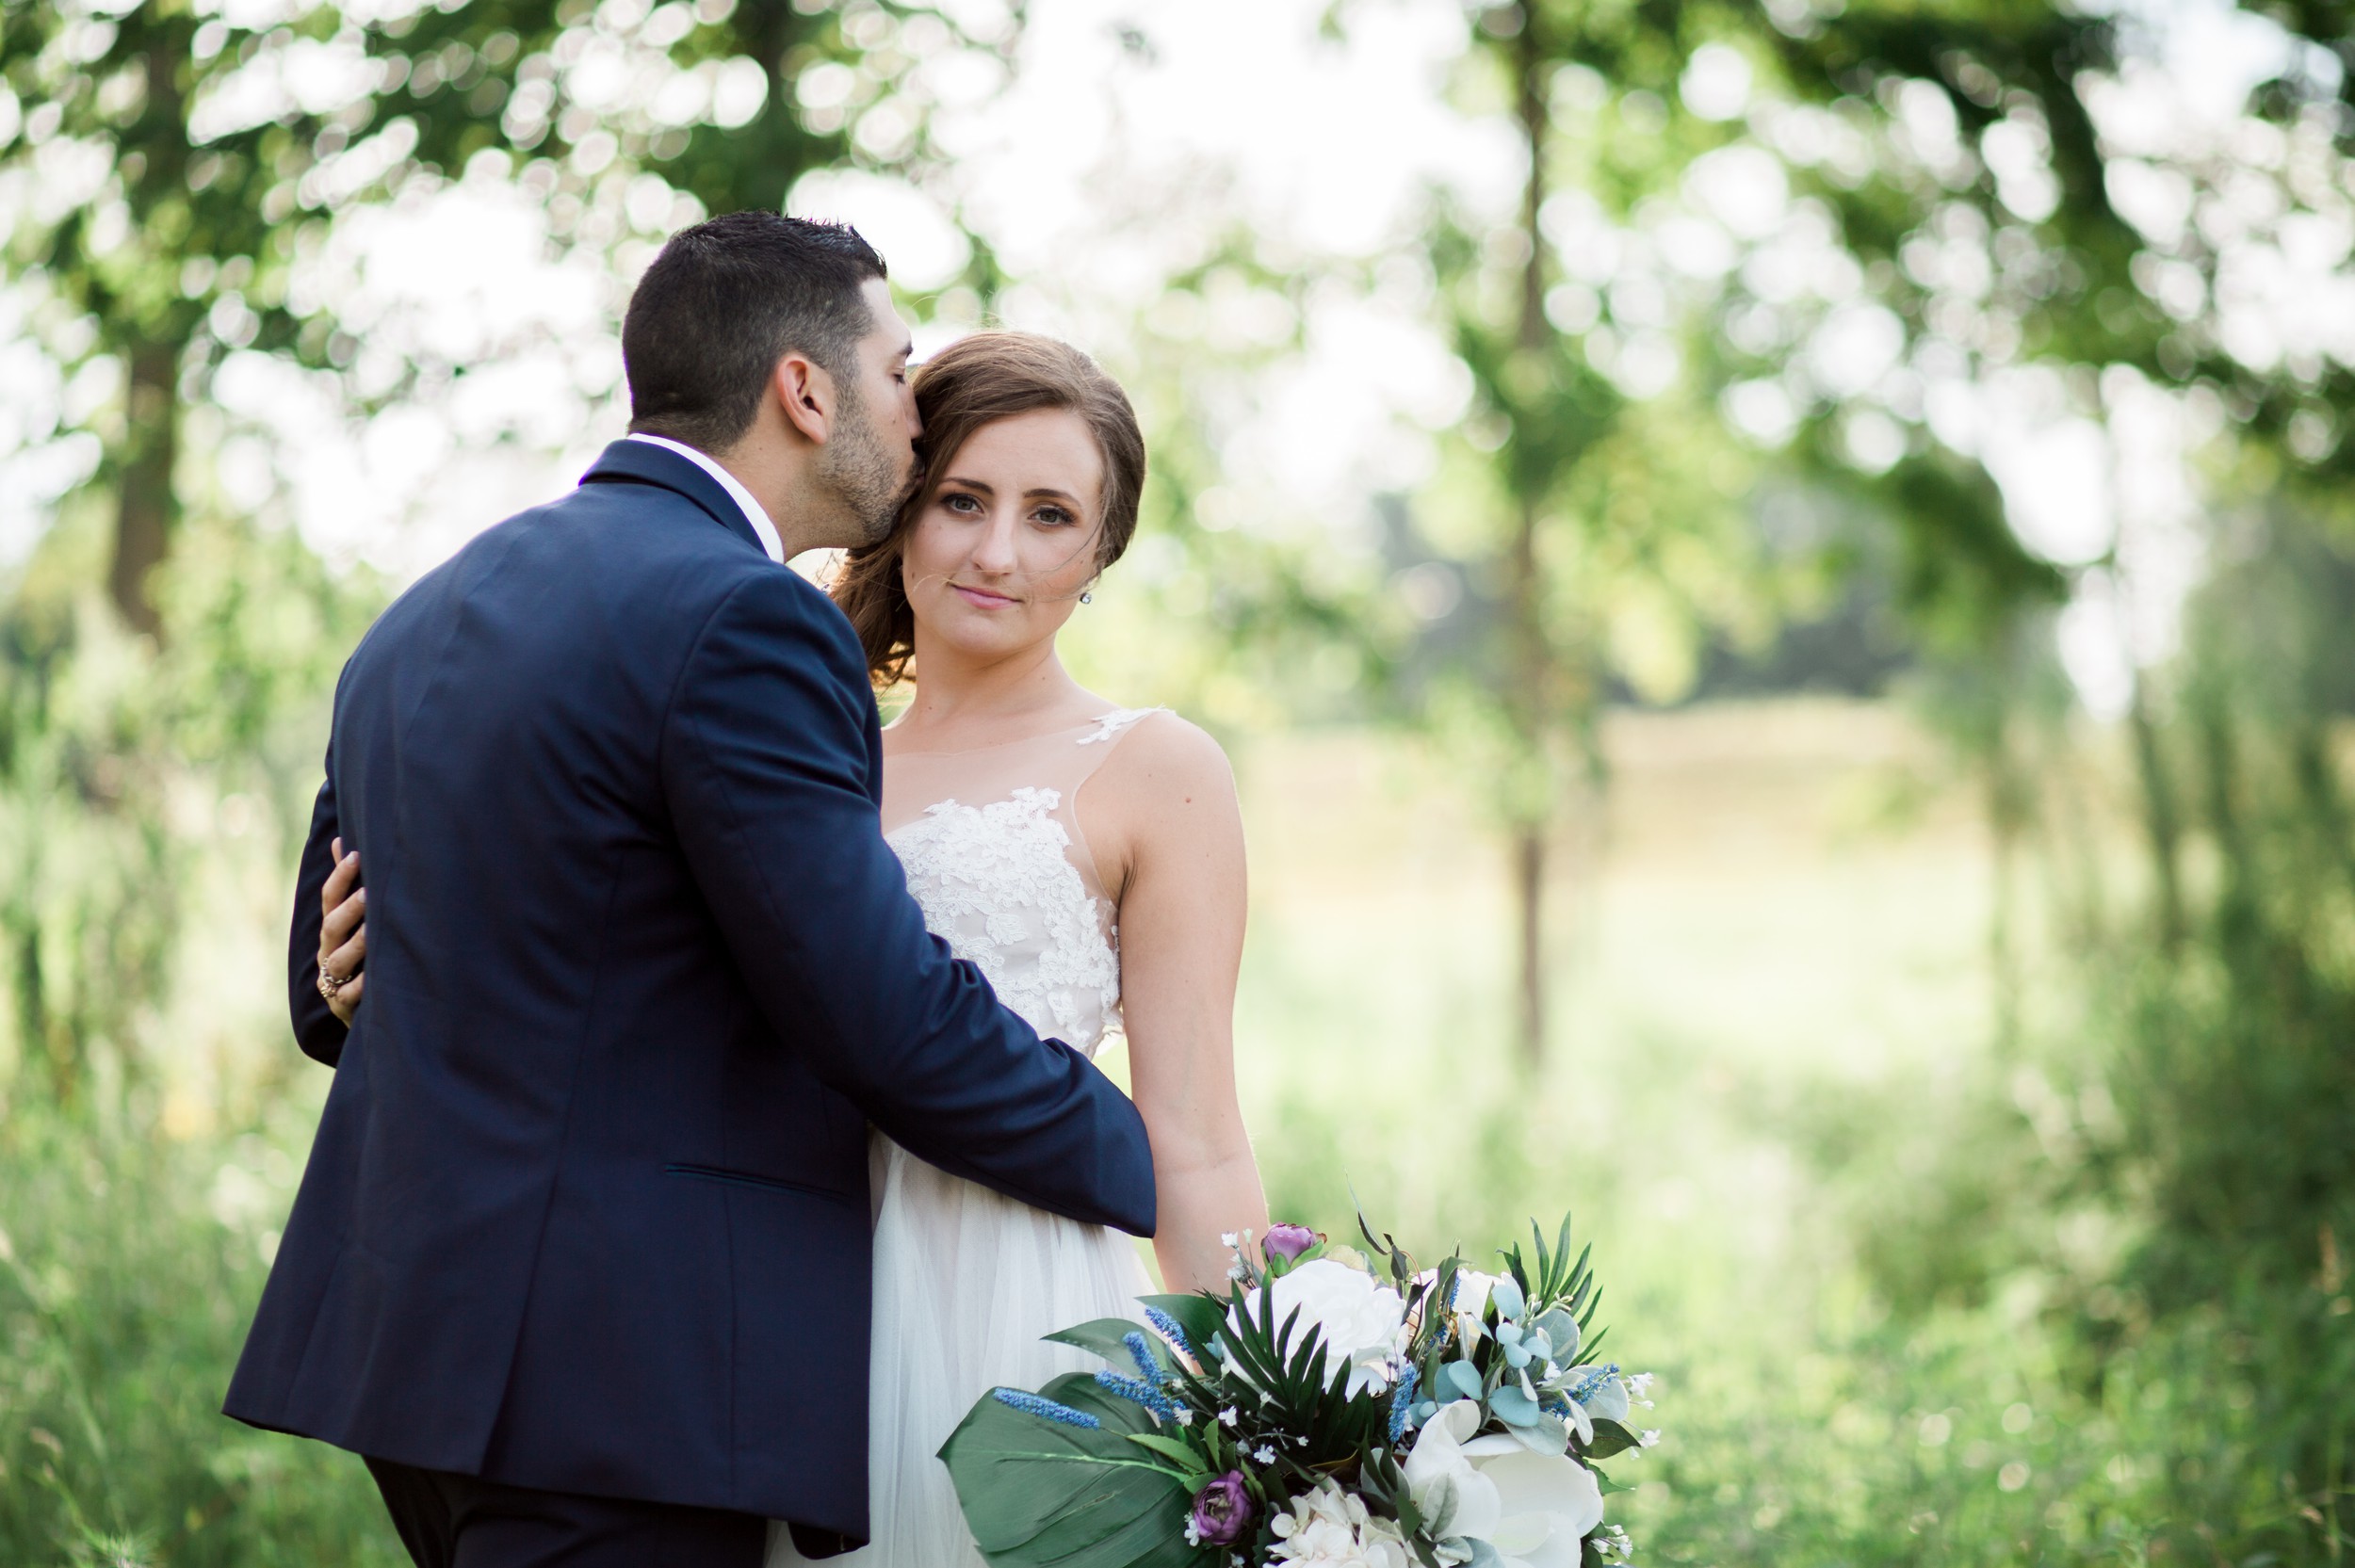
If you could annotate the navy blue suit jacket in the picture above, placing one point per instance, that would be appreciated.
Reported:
(587, 1210)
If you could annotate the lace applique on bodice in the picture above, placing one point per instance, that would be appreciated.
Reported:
(991, 843)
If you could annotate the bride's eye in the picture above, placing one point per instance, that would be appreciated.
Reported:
(1054, 517)
(962, 505)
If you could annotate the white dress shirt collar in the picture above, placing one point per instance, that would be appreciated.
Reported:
(762, 527)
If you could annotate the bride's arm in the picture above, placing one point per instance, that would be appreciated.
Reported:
(1164, 805)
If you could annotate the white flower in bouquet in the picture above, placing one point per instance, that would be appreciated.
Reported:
(1467, 1303)
(1533, 1509)
(1361, 1321)
(1330, 1528)
(1454, 1497)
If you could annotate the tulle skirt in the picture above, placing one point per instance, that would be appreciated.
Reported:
(965, 1284)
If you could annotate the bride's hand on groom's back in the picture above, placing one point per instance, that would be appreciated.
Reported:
(344, 933)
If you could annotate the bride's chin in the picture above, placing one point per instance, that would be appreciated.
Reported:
(975, 637)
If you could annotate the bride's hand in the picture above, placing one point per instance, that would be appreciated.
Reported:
(344, 932)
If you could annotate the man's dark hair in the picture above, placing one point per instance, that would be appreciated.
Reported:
(724, 302)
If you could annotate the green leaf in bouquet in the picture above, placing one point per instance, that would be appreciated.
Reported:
(1402, 1263)
(1256, 1347)
(1610, 1438)
(1108, 1338)
(1040, 1494)
(1606, 1483)
(1185, 1456)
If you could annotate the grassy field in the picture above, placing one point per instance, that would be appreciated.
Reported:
(1750, 917)
(1772, 1004)
(1772, 1024)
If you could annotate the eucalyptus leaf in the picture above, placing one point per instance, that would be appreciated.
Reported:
(1513, 1407)
(1548, 1434)
(1561, 1330)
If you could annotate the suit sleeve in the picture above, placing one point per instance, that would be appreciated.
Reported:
(765, 765)
(317, 1029)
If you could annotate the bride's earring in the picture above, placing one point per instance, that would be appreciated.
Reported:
(1086, 598)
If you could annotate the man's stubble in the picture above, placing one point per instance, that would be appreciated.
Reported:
(869, 472)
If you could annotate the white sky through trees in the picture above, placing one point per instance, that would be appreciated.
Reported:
(1130, 146)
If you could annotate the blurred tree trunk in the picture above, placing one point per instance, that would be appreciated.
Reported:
(2010, 807)
(2162, 819)
(1529, 650)
(145, 502)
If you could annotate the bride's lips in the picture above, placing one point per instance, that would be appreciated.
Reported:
(981, 598)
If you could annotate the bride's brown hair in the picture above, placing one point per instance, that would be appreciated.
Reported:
(978, 380)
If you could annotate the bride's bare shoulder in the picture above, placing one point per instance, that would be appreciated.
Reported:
(1166, 788)
(1160, 752)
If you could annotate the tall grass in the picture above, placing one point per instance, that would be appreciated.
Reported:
(128, 1271)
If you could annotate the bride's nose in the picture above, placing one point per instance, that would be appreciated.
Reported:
(994, 551)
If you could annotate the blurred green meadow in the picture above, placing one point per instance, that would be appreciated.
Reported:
(1779, 578)
(1774, 926)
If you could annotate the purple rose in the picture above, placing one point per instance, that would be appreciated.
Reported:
(1222, 1512)
(1289, 1241)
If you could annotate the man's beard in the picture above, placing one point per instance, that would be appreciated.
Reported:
(859, 465)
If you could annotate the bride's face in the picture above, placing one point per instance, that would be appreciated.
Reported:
(1006, 541)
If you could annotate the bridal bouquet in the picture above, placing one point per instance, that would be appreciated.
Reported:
(1333, 1409)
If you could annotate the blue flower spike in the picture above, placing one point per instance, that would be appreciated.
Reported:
(1167, 1327)
(1148, 1365)
(1403, 1405)
(1136, 1391)
(1033, 1404)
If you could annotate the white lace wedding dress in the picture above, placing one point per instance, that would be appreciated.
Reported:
(966, 1280)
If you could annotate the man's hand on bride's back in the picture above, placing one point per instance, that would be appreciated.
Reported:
(344, 934)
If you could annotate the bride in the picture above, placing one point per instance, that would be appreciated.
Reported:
(1087, 858)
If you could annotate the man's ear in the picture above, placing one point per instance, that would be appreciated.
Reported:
(805, 391)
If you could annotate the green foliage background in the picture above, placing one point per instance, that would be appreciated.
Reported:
(2065, 1277)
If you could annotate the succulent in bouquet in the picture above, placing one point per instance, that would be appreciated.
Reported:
(1335, 1406)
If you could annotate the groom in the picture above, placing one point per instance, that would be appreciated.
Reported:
(580, 1259)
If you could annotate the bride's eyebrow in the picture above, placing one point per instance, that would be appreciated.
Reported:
(1042, 492)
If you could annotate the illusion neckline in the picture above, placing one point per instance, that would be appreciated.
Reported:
(1094, 720)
